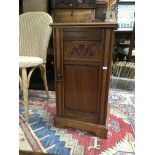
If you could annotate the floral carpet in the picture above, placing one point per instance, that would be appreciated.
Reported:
(39, 134)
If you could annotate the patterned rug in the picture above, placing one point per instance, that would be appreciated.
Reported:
(39, 134)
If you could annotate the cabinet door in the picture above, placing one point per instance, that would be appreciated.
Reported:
(81, 76)
(79, 60)
(81, 87)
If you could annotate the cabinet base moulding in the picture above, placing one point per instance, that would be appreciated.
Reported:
(99, 130)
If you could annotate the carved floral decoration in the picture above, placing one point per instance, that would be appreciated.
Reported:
(83, 49)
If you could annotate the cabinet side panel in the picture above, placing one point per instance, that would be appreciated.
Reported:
(108, 45)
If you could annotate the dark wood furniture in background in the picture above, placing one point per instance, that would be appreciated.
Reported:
(121, 36)
(20, 6)
(35, 5)
(73, 10)
(132, 44)
(82, 70)
(68, 4)
(101, 7)
(125, 34)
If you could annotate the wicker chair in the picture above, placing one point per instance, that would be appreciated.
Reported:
(35, 32)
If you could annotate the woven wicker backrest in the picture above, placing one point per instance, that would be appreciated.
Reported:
(35, 32)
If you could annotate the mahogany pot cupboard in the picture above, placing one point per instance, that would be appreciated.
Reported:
(82, 58)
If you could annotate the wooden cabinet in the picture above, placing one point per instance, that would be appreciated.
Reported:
(67, 11)
(74, 16)
(100, 10)
(35, 5)
(82, 70)
(73, 3)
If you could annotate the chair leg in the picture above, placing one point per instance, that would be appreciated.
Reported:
(43, 74)
(25, 93)
(20, 80)
(20, 83)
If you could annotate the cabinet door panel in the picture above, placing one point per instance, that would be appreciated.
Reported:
(89, 86)
(71, 86)
(80, 85)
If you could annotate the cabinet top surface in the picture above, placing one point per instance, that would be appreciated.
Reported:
(91, 24)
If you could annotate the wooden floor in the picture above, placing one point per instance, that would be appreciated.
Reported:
(36, 82)
(32, 153)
